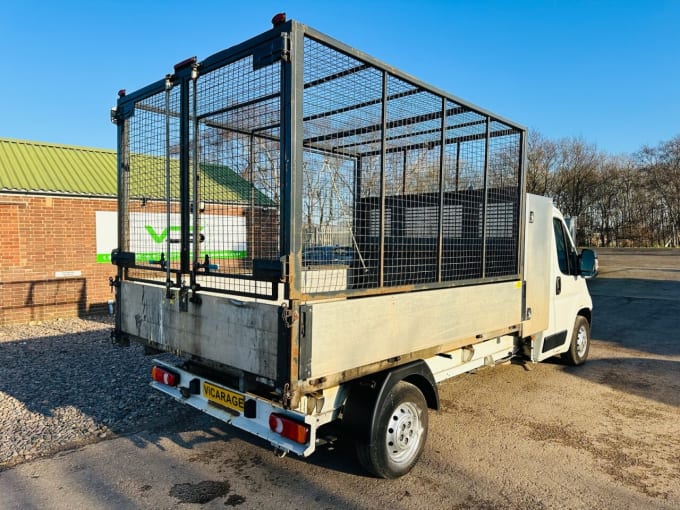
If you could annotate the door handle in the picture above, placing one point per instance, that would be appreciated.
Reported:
(558, 286)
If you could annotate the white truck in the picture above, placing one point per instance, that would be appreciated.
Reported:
(321, 238)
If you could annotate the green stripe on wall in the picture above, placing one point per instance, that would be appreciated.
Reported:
(146, 257)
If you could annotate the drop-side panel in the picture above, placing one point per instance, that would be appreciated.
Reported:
(238, 333)
(358, 332)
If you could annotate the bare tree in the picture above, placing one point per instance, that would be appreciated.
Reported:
(541, 164)
(661, 165)
(620, 201)
(576, 175)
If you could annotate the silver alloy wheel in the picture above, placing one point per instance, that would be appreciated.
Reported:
(404, 434)
(581, 341)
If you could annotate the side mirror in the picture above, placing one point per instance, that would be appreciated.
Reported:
(588, 264)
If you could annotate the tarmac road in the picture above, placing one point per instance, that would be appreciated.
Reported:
(604, 435)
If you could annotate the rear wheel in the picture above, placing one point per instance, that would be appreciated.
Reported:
(399, 434)
(580, 342)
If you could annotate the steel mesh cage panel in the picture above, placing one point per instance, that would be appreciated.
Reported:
(238, 114)
(387, 183)
(341, 115)
(202, 195)
(502, 215)
(401, 186)
(154, 133)
(412, 170)
(341, 107)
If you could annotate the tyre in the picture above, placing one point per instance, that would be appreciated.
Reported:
(580, 342)
(399, 433)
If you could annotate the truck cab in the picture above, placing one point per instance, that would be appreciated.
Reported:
(559, 307)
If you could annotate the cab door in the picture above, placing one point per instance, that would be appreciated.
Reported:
(567, 294)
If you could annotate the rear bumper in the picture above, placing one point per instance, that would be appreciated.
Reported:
(258, 425)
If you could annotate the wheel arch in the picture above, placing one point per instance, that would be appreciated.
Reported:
(366, 395)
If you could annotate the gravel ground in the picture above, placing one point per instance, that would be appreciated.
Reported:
(62, 384)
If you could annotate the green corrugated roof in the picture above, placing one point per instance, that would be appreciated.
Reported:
(219, 183)
(53, 168)
(35, 167)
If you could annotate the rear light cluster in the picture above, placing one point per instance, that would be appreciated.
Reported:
(164, 376)
(298, 432)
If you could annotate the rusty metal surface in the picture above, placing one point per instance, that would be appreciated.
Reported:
(238, 333)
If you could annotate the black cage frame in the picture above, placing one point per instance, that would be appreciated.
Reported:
(308, 163)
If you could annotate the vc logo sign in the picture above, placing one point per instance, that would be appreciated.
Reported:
(161, 237)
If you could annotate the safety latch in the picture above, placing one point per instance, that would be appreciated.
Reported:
(288, 316)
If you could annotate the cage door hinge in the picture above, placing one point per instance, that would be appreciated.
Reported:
(285, 51)
(288, 316)
(122, 112)
(286, 396)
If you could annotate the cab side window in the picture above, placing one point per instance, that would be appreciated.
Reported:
(565, 252)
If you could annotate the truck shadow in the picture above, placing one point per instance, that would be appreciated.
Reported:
(638, 314)
(52, 378)
(657, 380)
(76, 387)
(82, 370)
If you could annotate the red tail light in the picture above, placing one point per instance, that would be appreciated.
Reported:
(164, 376)
(298, 432)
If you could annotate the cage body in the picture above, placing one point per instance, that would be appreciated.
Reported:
(291, 195)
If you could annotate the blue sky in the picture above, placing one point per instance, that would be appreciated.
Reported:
(607, 72)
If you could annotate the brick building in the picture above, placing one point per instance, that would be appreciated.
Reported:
(57, 227)
(49, 196)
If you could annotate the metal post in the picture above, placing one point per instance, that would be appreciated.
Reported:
(521, 213)
(383, 155)
(457, 164)
(123, 212)
(440, 219)
(292, 90)
(196, 184)
(251, 178)
(486, 194)
(184, 177)
(292, 81)
(168, 202)
(403, 175)
(123, 184)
